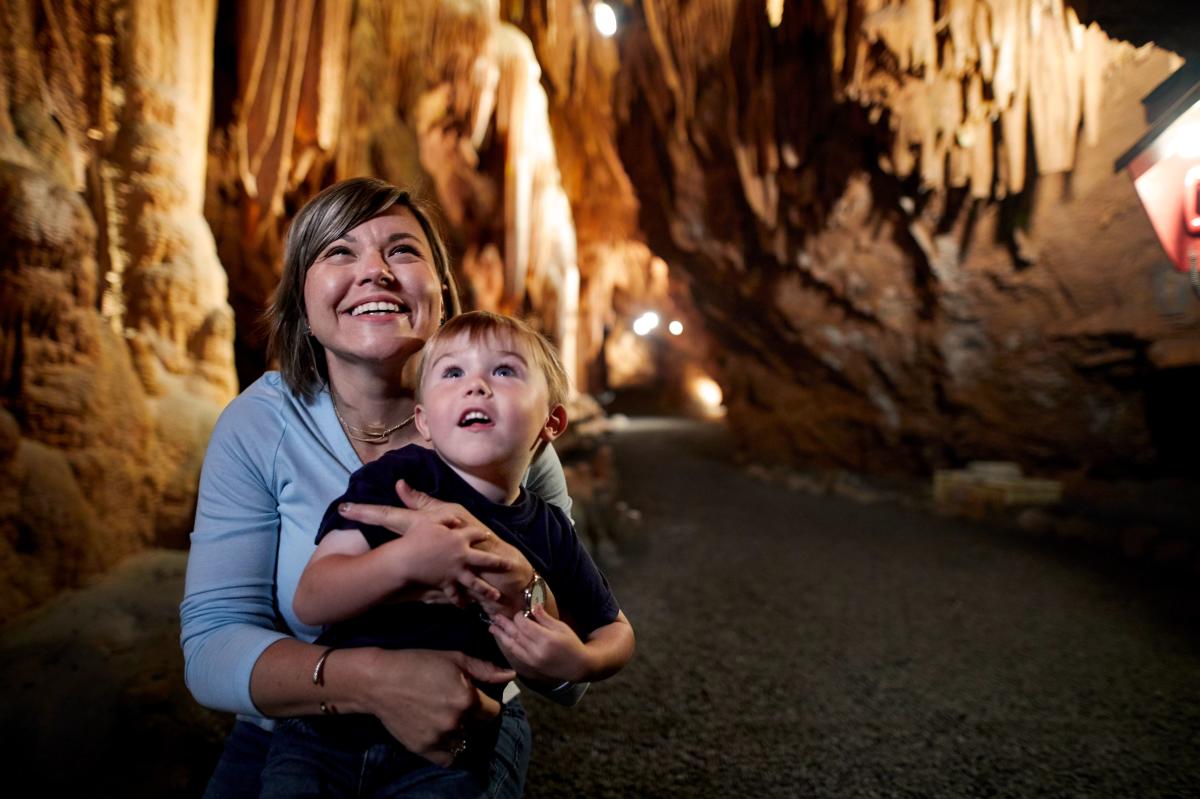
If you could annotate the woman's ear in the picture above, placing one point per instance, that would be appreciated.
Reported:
(556, 423)
(421, 423)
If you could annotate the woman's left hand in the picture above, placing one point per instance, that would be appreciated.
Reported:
(508, 571)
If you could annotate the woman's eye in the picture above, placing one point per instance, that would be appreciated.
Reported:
(504, 370)
(336, 251)
(403, 249)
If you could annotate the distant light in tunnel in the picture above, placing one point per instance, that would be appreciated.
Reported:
(605, 19)
(708, 393)
(645, 323)
(676, 327)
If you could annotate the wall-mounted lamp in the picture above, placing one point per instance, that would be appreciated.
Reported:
(1165, 167)
(676, 327)
(605, 18)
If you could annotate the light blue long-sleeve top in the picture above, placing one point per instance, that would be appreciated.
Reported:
(274, 463)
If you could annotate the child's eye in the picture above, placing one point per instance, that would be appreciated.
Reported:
(504, 370)
(452, 371)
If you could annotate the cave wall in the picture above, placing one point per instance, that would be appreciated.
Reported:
(892, 229)
(151, 158)
(901, 224)
(116, 338)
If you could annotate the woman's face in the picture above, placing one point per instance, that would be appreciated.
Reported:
(372, 296)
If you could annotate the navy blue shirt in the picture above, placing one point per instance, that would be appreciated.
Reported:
(542, 532)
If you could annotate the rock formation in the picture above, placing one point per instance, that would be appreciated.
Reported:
(116, 337)
(891, 227)
(905, 250)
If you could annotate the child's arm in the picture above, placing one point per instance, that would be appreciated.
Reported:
(543, 649)
(345, 577)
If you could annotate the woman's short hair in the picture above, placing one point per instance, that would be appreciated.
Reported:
(324, 219)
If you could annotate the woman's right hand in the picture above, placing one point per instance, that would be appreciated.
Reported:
(426, 698)
(445, 547)
(436, 559)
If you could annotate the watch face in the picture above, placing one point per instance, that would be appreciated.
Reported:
(535, 594)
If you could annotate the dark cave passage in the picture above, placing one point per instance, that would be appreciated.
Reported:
(797, 645)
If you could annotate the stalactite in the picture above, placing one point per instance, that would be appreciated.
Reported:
(1055, 89)
(1096, 48)
(1038, 68)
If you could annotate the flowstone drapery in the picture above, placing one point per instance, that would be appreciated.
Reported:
(116, 350)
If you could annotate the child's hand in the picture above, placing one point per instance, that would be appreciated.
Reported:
(484, 594)
(541, 647)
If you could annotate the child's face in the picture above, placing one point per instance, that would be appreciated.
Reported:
(485, 405)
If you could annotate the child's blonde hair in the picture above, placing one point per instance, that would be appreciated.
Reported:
(484, 325)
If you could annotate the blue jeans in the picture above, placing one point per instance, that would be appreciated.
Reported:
(304, 762)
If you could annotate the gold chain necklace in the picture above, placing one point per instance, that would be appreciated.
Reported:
(367, 436)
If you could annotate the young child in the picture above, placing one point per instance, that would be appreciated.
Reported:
(490, 395)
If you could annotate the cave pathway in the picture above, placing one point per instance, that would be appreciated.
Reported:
(799, 645)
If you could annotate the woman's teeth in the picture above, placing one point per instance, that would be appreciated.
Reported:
(375, 307)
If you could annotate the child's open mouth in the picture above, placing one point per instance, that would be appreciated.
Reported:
(471, 418)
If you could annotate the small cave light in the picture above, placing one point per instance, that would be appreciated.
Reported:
(707, 393)
(605, 19)
(645, 323)
(676, 327)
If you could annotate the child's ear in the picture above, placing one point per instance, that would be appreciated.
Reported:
(556, 423)
(421, 422)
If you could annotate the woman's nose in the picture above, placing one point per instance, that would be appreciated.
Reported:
(376, 270)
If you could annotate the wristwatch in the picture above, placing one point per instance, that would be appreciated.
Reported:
(535, 594)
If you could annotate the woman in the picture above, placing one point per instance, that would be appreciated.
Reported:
(365, 281)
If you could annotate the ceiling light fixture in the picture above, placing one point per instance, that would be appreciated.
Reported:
(605, 19)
